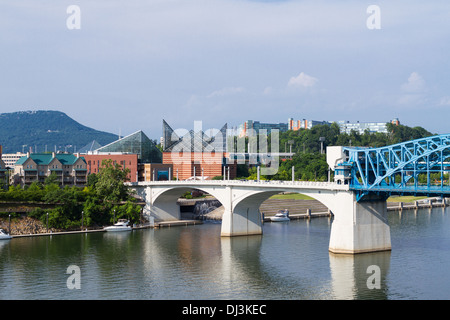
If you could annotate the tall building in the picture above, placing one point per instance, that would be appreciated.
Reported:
(197, 154)
(360, 127)
(70, 169)
(304, 124)
(252, 127)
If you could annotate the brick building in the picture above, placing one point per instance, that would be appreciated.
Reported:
(197, 154)
(126, 161)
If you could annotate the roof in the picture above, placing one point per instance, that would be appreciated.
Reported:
(137, 143)
(91, 146)
(195, 141)
(46, 158)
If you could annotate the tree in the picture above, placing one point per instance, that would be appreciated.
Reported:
(51, 179)
(110, 184)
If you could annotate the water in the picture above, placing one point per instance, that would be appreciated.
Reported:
(289, 262)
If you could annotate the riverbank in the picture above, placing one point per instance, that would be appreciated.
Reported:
(298, 209)
(29, 227)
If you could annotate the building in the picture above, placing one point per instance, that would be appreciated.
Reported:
(304, 124)
(3, 170)
(196, 154)
(360, 127)
(126, 161)
(155, 172)
(135, 143)
(132, 152)
(251, 127)
(90, 147)
(70, 169)
(11, 158)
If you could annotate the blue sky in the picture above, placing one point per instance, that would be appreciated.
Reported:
(133, 63)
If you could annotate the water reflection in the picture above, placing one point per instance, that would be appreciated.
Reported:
(350, 275)
(289, 261)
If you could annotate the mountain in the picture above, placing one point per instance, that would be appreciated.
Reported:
(46, 131)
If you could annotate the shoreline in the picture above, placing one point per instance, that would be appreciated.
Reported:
(28, 227)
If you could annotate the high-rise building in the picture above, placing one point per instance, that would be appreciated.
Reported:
(252, 127)
(304, 124)
(360, 127)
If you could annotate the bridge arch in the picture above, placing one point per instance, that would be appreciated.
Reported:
(244, 218)
(358, 226)
(162, 202)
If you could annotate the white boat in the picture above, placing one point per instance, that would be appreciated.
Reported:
(121, 225)
(4, 235)
(282, 215)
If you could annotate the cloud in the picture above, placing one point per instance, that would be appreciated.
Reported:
(445, 101)
(415, 83)
(302, 81)
(227, 91)
(268, 90)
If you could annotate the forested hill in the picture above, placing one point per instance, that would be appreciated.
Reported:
(43, 130)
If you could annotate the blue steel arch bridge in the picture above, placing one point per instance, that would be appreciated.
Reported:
(416, 167)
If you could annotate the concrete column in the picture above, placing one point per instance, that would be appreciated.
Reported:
(359, 227)
(242, 219)
(241, 222)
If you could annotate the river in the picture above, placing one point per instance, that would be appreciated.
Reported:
(290, 261)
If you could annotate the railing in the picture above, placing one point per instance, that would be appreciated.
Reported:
(264, 183)
(420, 189)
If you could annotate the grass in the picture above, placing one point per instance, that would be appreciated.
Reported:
(405, 199)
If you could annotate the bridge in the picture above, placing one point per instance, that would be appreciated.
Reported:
(364, 178)
(414, 167)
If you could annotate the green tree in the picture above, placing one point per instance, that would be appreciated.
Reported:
(51, 179)
(110, 184)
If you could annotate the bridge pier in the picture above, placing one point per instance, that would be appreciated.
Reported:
(359, 227)
(244, 217)
(243, 222)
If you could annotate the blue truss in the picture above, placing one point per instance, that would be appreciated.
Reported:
(414, 167)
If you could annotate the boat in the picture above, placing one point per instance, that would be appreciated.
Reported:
(4, 235)
(282, 215)
(121, 225)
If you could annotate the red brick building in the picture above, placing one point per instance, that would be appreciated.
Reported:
(127, 161)
(197, 154)
(188, 164)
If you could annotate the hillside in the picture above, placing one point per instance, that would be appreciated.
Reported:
(43, 130)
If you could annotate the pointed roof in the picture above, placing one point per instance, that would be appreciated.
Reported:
(91, 146)
(137, 143)
(169, 136)
(46, 158)
(194, 141)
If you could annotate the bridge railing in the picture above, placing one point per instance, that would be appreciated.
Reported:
(268, 183)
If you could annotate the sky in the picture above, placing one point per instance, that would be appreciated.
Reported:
(124, 66)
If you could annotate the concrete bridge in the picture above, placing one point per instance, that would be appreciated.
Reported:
(357, 227)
